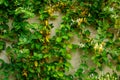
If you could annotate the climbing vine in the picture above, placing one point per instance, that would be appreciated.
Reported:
(35, 55)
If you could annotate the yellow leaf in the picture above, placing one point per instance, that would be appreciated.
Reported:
(85, 20)
(117, 23)
(80, 20)
(41, 32)
(48, 32)
(96, 46)
(24, 73)
(101, 48)
(50, 11)
(83, 13)
(36, 63)
(103, 43)
(60, 60)
(47, 38)
(119, 58)
(46, 22)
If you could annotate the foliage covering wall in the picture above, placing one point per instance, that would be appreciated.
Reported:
(34, 55)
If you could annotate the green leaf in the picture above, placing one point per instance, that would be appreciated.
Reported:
(105, 25)
(31, 70)
(38, 70)
(67, 64)
(1, 64)
(87, 32)
(25, 12)
(70, 46)
(46, 55)
(43, 15)
(65, 37)
(84, 66)
(60, 74)
(37, 46)
(70, 34)
(118, 67)
(37, 56)
(2, 1)
(59, 39)
(2, 45)
(68, 56)
(93, 69)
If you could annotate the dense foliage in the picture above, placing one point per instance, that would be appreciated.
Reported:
(34, 55)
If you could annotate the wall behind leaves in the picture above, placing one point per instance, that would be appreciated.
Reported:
(59, 40)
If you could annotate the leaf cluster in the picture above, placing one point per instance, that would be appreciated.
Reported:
(35, 55)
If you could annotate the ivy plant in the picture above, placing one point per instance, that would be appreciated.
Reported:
(35, 55)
